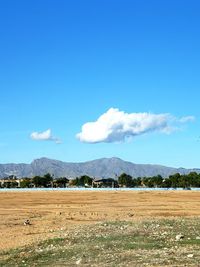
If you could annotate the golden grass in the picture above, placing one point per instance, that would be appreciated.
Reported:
(51, 213)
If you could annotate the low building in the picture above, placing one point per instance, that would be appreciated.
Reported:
(105, 182)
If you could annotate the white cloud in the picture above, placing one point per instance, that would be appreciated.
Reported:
(117, 126)
(187, 119)
(45, 136)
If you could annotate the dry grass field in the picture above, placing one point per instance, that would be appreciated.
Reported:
(100, 229)
(51, 212)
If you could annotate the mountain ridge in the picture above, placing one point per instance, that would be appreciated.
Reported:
(104, 167)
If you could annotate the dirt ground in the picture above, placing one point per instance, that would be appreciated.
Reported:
(51, 213)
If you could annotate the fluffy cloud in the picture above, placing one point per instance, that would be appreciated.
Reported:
(45, 136)
(116, 126)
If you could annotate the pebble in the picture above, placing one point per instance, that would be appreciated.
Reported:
(179, 237)
(164, 233)
(190, 255)
(27, 222)
(78, 261)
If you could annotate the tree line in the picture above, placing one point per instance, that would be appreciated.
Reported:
(124, 180)
(173, 181)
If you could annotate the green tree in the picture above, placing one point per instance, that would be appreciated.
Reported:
(43, 181)
(37, 181)
(157, 181)
(10, 184)
(125, 180)
(25, 183)
(138, 181)
(62, 182)
(193, 179)
(85, 180)
(75, 182)
(166, 183)
(175, 180)
(47, 180)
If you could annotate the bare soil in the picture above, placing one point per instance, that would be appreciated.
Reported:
(51, 213)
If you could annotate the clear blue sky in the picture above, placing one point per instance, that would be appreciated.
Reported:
(64, 63)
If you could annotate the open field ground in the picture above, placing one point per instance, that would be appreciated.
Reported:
(100, 228)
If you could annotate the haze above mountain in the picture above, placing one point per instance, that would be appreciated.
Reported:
(105, 167)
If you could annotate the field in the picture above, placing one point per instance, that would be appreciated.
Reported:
(121, 228)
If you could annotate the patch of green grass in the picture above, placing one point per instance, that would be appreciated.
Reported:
(115, 244)
(190, 242)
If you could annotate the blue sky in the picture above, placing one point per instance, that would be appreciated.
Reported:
(66, 63)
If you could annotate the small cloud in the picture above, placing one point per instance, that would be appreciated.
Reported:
(45, 136)
(187, 119)
(117, 126)
(57, 141)
(42, 136)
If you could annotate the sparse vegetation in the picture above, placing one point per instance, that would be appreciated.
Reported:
(146, 243)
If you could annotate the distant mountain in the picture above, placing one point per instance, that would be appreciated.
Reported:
(105, 167)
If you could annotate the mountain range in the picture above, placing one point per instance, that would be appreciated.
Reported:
(105, 167)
